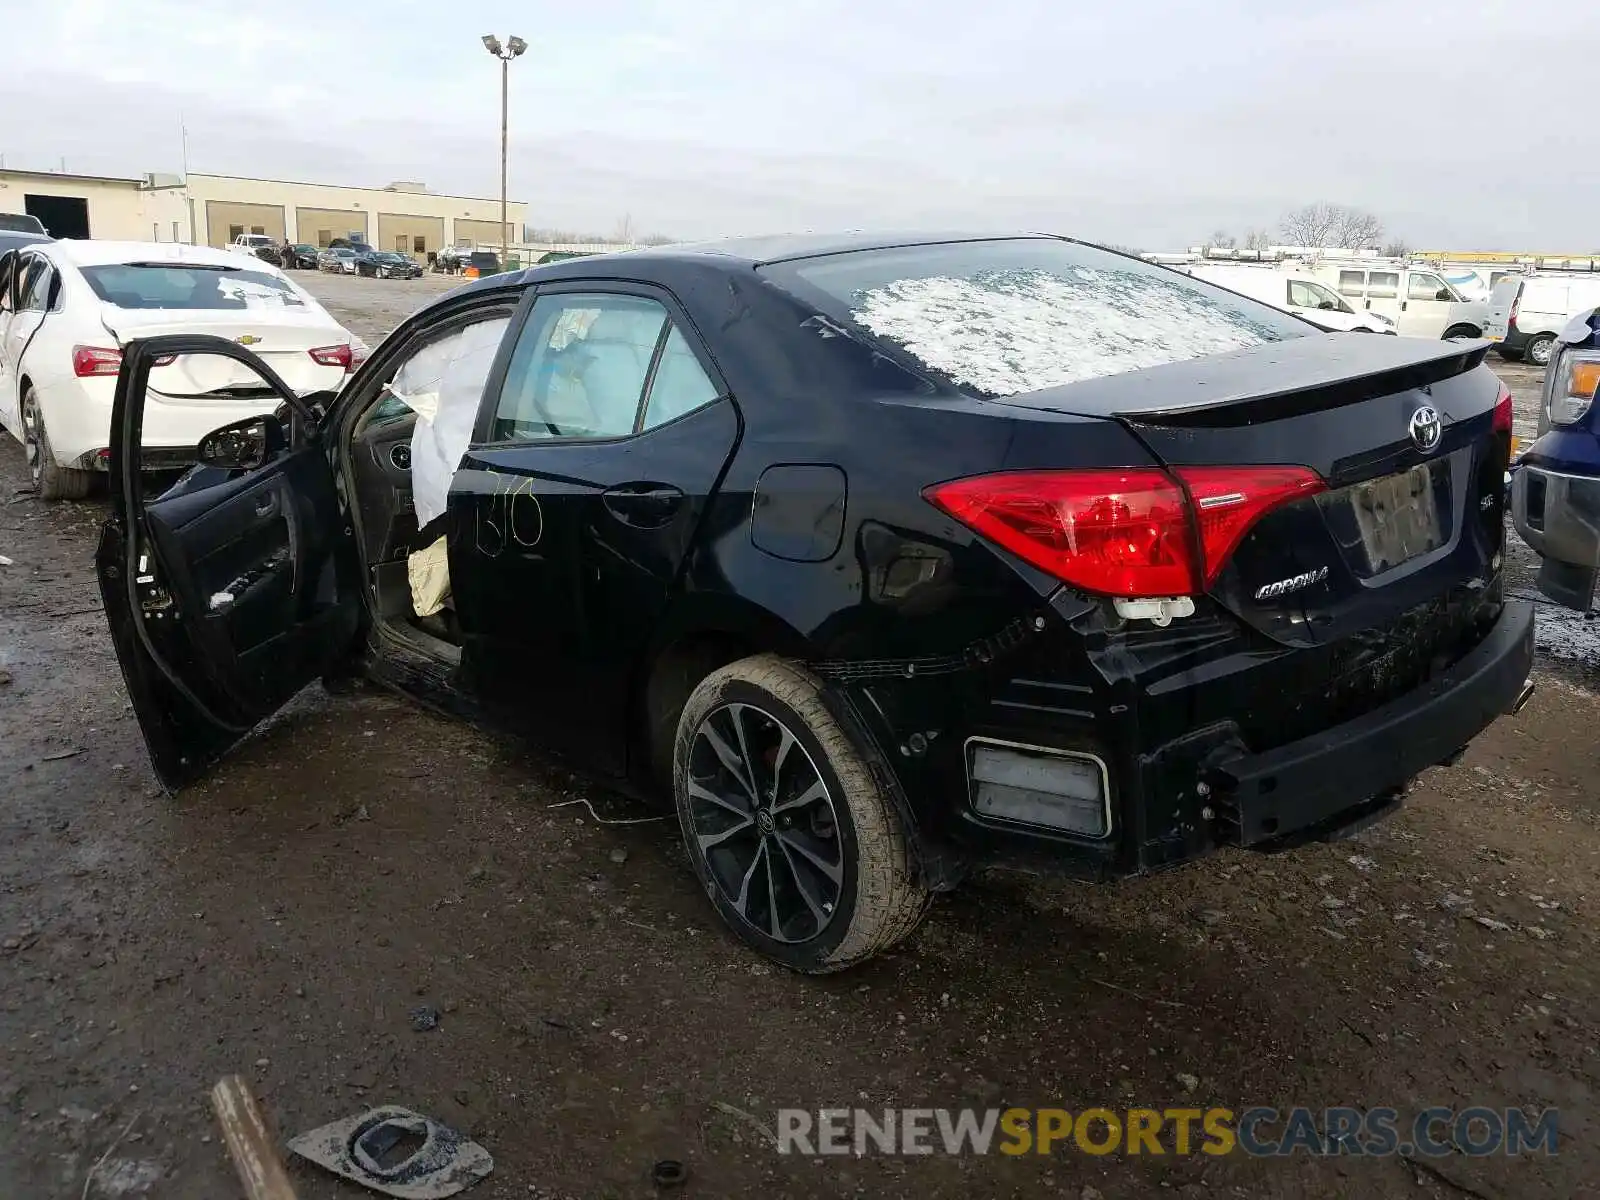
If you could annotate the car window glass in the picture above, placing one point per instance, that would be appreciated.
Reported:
(36, 286)
(1352, 283)
(680, 385)
(1301, 295)
(1383, 285)
(7, 264)
(579, 368)
(153, 285)
(1327, 297)
(1423, 287)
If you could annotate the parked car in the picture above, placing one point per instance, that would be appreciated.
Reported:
(1416, 300)
(67, 310)
(10, 240)
(1555, 491)
(939, 554)
(451, 258)
(254, 243)
(338, 259)
(303, 257)
(1526, 312)
(387, 264)
(483, 262)
(22, 223)
(1294, 293)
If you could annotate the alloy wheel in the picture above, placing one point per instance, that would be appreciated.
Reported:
(764, 822)
(32, 442)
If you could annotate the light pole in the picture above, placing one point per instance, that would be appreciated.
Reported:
(512, 49)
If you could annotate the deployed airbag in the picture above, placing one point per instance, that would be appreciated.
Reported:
(443, 384)
(429, 573)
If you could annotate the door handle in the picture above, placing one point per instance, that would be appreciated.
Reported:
(643, 505)
(266, 505)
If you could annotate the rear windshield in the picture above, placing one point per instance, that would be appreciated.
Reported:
(153, 285)
(1016, 315)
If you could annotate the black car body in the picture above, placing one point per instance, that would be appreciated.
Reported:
(302, 256)
(1228, 580)
(387, 264)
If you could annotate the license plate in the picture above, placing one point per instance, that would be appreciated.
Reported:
(1495, 337)
(1398, 516)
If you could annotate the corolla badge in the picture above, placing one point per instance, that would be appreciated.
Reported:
(1426, 428)
(1292, 584)
(248, 339)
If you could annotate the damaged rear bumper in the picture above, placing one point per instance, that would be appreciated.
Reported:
(1317, 786)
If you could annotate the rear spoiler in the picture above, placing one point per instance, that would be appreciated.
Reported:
(1263, 383)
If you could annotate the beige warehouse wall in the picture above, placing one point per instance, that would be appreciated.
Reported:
(410, 234)
(224, 219)
(313, 223)
(484, 233)
(116, 209)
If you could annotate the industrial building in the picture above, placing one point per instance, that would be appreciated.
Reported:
(214, 209)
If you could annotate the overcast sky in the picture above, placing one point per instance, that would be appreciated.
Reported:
(1142, 122)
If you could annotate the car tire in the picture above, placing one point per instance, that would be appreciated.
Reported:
(51, 481)
(842, 885)
(1537, 351)
(1460, 331)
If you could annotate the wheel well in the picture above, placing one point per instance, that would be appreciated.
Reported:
(1469, 331)
(675, 672)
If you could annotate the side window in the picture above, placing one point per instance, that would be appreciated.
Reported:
(579, 368)
(1301, 295)
(36, 287)
(1423, 287)
(680, 385)
(1353, 283)
(8, 263)
(1383, 285)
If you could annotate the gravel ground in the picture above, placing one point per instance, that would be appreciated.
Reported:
(360, 857)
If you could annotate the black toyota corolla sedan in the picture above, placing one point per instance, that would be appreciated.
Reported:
(885, 558)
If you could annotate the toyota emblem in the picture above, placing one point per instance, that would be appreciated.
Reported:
(1426, 428)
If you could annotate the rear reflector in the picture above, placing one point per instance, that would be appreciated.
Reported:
(1058, 791)
(1132, 532)
(334, 356)
(90, 361)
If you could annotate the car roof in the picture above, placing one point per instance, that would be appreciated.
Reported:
(12, 239)
(782, 247)
(93, 253)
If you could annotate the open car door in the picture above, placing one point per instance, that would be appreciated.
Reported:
(230, 591)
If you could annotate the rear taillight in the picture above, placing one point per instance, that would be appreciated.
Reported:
(334, 356)
(1502, 411)
(1516, 303)
(1229, 500)
(1132, 532)
(89, 361)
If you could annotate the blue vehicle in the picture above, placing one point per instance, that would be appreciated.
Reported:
(1555, 489)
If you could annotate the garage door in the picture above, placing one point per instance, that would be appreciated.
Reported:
(226, 220)
(416, 236)
(319, 226)
(479, 233)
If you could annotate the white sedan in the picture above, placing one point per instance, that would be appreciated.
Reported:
(67, 308)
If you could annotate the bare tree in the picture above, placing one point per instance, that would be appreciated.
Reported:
(1326, 225)
(1257, 239)
(1397, 249)
(624, 232)
(1221, 240)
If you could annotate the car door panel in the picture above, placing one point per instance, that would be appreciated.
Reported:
(229, 593)
(564, 556)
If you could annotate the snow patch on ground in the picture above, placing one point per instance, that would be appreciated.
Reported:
(1008, 332)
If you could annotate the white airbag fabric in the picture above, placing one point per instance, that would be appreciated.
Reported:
(443, 384)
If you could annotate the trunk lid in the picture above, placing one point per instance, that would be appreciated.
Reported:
(283, 338)
(1502, 308)
(1411, 509)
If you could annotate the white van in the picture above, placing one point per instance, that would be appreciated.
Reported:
(1292, 292)
(1527, 311)
(1416, 299)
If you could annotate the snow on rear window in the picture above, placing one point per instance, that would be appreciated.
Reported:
(1010, 331)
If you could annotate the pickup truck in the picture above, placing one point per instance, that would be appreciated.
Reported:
(249, 243)
(1555, 490)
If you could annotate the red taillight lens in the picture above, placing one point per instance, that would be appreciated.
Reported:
(1502, 411)
(1128, 532)
(1229, 500)
(88, 361)
(334, 356)
(1119, 532)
